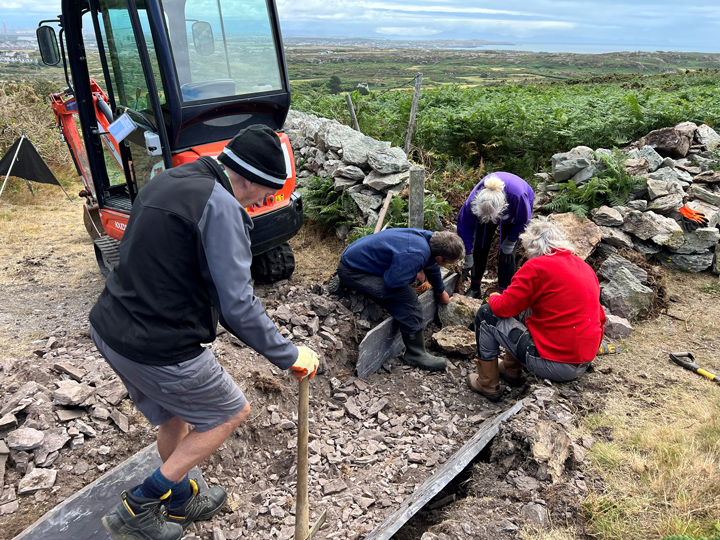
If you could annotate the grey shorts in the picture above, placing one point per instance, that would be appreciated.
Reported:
(198, 391)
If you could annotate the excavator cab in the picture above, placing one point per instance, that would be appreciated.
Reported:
(181, 78)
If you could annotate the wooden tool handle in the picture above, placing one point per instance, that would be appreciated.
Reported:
(302, 518)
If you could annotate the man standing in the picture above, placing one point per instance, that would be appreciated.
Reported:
(383, 265)
(185, 262)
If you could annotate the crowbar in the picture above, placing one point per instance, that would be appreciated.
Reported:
(691, 365)
(302, 520)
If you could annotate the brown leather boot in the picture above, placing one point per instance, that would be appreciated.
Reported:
(511, 370)
(487, 380)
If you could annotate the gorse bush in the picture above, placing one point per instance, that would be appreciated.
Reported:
(518, 128)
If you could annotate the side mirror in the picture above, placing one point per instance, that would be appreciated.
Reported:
(203, 38)
(47, 41)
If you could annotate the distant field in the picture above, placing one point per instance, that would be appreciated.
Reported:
(382, 69)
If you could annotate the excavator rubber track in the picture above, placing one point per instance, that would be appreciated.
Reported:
(107, 251)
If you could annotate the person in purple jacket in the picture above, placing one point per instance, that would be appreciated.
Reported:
(500, 199)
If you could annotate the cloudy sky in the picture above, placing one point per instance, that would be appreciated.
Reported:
(581, 26)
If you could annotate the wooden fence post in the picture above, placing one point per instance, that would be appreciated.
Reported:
(416, 197)
(348, 99)
(413, 112)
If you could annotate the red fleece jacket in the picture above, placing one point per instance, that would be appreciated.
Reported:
(567, 321)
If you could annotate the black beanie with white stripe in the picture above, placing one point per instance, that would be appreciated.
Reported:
(256, 154)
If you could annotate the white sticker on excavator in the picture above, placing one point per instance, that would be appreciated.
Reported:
(122, 127)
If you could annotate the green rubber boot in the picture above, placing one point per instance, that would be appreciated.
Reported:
(417, 356)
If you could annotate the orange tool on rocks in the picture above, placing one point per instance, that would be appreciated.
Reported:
(691, 365)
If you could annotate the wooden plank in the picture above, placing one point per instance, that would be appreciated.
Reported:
(381, 215)
(450, 469)
(384, 341)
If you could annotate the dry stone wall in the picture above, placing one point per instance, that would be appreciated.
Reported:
(677, 163)
(364, 167)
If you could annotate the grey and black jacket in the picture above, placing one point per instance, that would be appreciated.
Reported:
(185, 262)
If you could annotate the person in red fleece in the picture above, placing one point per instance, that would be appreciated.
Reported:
(549, 320)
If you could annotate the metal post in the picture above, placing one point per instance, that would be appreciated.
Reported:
(413, 112)
(12, 163)
(416, 197)
(352, 112)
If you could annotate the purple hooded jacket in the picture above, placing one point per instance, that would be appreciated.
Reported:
(519, 196)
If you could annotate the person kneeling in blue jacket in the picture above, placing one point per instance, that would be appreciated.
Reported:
(383, 265)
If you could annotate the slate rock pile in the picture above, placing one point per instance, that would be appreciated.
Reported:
(364, 167)
(64, 404)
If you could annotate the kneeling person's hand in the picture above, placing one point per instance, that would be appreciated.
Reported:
(306, 363)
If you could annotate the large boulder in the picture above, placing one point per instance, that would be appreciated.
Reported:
(582, 233)
(705, 195)
(707, 177)
(332, 135)
(367, 201)
(626, 297)
(388, 160)
(707, 136)
(456, 340)
(637, 166)
(670, 174)
(661, 188)
(651, 226)
(460, 311)
(568, 164)
(699, 241)
(666, 204)
(693, 263)
(356, 146)
(668, 142)
(617, 327)
(687, 129)
(653, 158)
(616, 238)
(350, 171)
(383, 182)
(614, 262)
(712, 212)
(608, 217)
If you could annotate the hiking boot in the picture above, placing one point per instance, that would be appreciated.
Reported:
(138, 518)
(199, 507)
(416, 355)
(511, 370)
(487, 380)
(335, 286)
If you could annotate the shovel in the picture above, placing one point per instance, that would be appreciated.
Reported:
(691, 364)
(302, 522)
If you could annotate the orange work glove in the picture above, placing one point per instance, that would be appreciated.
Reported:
(306, 363)
(692, 220)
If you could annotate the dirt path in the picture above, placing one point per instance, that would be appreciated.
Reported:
(373, 440)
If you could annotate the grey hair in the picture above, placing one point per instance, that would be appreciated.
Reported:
(447, 245)
(490, 203)
(542, 237)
